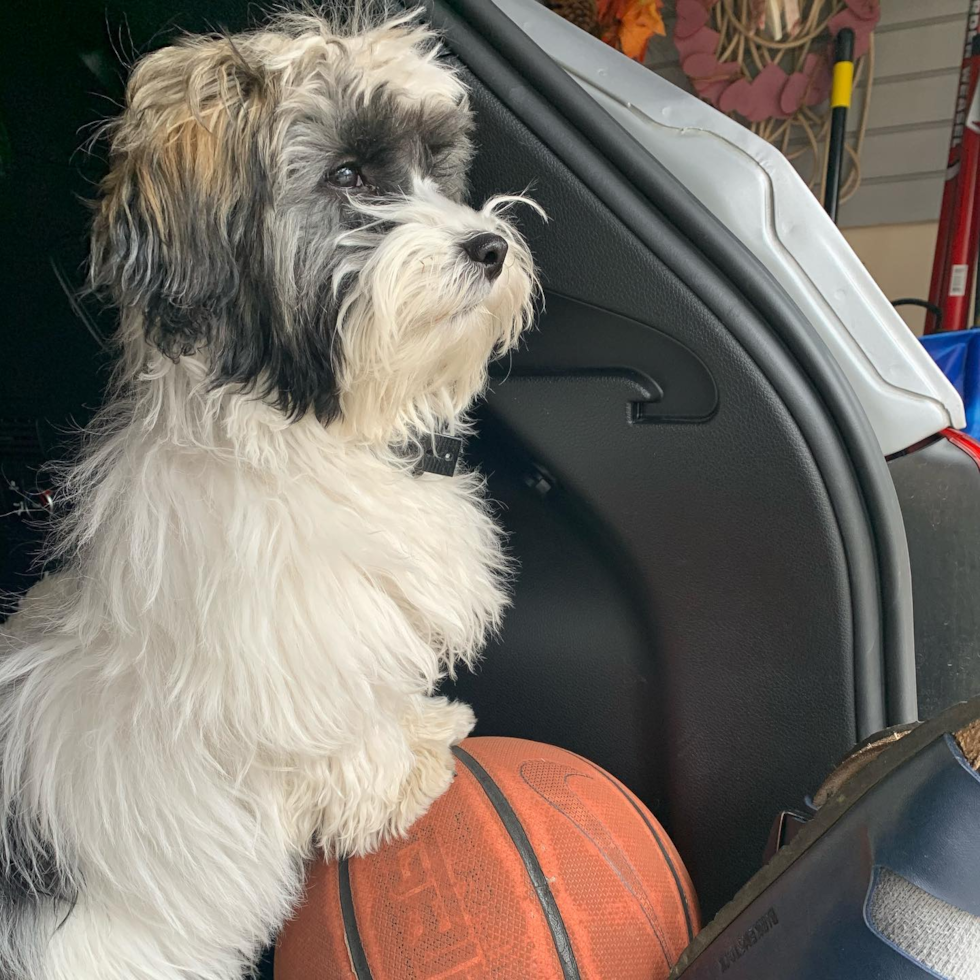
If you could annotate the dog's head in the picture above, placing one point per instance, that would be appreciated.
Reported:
(286, 207)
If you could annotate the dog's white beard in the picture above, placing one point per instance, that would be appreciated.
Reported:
(242, 649)
(421, 323)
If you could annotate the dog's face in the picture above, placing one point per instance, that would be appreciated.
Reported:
(287, 207)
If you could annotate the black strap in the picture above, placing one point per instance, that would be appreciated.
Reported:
(439, 454)
(436, 454)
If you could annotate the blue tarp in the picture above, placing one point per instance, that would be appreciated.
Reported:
(958, 355)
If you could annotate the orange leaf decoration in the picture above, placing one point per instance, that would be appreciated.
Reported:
(629, 24)
(614, 8)
(639, 23)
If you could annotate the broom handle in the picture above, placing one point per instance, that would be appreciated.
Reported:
(840, 100)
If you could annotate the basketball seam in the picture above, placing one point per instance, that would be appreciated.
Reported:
(656, 926)
(355, 948)
(663, 850)
(522, 844)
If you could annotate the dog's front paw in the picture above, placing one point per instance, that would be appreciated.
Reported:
(440, 721)
(361, 821)
(434, 727)
(435, 767)
(378, 792)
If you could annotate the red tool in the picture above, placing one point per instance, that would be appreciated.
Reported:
(956, 240)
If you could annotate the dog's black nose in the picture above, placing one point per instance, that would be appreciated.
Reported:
(489, 251)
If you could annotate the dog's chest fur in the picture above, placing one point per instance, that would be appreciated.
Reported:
(425, 544)
(320, 571)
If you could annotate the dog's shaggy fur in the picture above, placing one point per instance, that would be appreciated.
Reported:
(257, 597)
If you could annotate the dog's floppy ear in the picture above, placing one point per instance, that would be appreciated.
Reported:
(184, 193)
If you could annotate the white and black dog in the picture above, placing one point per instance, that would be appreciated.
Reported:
(257, 596)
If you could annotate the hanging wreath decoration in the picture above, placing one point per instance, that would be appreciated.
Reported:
(770, 62)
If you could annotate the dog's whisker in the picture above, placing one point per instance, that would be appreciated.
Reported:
(502, 203)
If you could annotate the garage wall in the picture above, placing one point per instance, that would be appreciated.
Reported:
(900, 259)
(917, 62)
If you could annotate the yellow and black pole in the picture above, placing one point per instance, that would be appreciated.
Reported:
(840, 102)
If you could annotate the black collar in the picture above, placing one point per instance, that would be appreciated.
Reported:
(437, 454)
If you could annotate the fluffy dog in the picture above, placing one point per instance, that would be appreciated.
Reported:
(257, 593)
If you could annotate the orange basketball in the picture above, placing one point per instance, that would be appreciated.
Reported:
(535, 865)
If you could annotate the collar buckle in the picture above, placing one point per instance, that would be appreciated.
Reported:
(440, 454)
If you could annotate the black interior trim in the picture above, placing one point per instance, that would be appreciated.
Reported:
(709, 260)
(938, 485)
(594, 340)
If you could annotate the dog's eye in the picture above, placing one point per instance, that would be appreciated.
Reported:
(346, 176)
